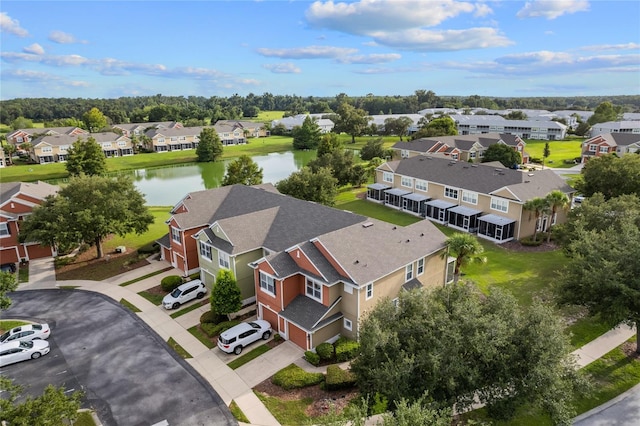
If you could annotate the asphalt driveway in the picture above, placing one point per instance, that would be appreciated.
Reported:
(129, 375)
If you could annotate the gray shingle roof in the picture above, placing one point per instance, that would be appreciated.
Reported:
(463, 142)
(38, 190)
(306, 312)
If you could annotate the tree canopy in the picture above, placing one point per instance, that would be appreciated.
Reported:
(87, 210)
(508, 156)
(243, 170)
(8, 283)
(86, 157)
(466, 249)
(611, 175)
(340, 162)
(319, 186)
(351, 120)
(306, 136)
(373, 148)
(226, 297)
(94, 120)
(209, 145)
(397, 126)
(604, 112)
(329, 143)
(460, 347)
(443, 126)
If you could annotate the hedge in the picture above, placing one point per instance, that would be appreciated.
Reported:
(312, 358)
(211, 317)
(171, 282)
(346, 349)
(293, 377)
(325, 351)
(212, 330)
(337, 378)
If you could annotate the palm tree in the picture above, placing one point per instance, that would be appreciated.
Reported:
(538, 207)
(556, 200)
(466, 249)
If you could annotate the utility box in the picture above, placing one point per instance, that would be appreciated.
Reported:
(121, 249)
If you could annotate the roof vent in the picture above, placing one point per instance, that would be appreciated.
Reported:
(394, 227)
(367, 224)
(408, 241)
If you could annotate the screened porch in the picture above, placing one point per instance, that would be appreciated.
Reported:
(496, 228)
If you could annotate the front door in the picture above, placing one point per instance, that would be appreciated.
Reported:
(498, 233)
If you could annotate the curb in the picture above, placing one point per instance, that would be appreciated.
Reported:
(604, 406)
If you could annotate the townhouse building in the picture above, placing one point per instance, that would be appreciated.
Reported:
(55, 148)
(525, 129)
(26, 136)
(326, 125)
(610, 143)
(176, 138)
(625, 126)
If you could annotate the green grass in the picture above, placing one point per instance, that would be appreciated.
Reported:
(156, 230)
(179, 349)
(101, 269)
(84, 419)
(9, 324)
(23, 274)
(68, 287)
(129, 305)
(203, 338)
(268, 116)
(144, 277)
(237, 412)
(249, 356)
(188, 309)
(560, 151)
(585, 329)
(287, 412)
(156, 299)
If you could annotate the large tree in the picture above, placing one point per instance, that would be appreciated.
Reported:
(466, 249)
(340, 162)
(604, 112)
(611, 175)
(397, 126)
(373, 148)
(308, 135)
(226, 297)
(209, 145)
(8, 284)
(329, 143)
(463, 347)
(443, 126)
(508, 156)
(87, 210)
(318, 186)
(244, 171)
(94, 120)
(351, 120)
(86, 157)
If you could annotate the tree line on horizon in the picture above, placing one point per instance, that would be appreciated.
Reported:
(196, 110)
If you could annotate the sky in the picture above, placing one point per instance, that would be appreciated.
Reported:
(502, 48)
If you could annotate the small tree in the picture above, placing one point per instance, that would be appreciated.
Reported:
(328, 144)
(373, 148)
(226, 297)
(443, 126)
(306, 136)
(546, 153)
(466, 249)
(95, 120)
(536, 206)
(86, 157)
(243, 171)
(209, 148)
(8, 284)
(318, 186)
(506, 155)
(556, 200)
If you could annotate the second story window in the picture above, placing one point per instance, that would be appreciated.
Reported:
(604, 149)
(267, 283)
(369, 291)
(499, 204)
(408, 276)
(420, 266)
(407, 182)
(223, 259)
(314, 290)
(451, 193)
(470, 197)
(387, 177)
(175, 235)
(205, 251)
(421, 185)
(4, 229)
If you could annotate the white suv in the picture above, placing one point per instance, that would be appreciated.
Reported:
(186, 292)
(243, 334)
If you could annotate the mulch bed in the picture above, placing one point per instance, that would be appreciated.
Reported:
(517, 246)
(629, 349)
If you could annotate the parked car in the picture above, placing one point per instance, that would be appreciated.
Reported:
(578, 199)
(12, 352)
(186, 292)
(8, 267)
(24, 333)
(237, 337)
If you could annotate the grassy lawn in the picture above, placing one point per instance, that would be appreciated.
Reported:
(144, 277)
(249, 356)
(560, 151)
(23, 273)
(133, 241)
(84, 419)
(9, 324)
(179, 349)
(268, 116)
(189, 309)
(154, 298)
(203, 338)
(237, 412)
(129, 305)
(287, 412)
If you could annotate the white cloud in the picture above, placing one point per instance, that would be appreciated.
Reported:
(601, 47)
(35, 49)
(375, 58)
(309, 52)
(439, 41)
(283, 68)
(61, 37)
(365, 16)
(552, 9)
(28, 75)
(11, 26)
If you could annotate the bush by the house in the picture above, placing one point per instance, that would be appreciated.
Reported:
(346, 349)
(171, 282)
(293, 377)
(528, 241)
(215, 329)
(212, 318)
(312, 358)
(337, 378)
(149, 249)
(325, 351)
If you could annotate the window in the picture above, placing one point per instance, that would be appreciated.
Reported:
(451, 193)
(348, 324)
(46, 149)
(406, 181)
(4, 229)
(64, 147)
(499, 204)
(223, 259)
(470, 197)
(472, 155)
(387, 177)
(604, 149)
(182, 138)
(421, 185)
(174, 138)
(267, 283)
(451, 267)
(160, 140)
(420, 266)
(205, 251)
(122, 143)
(454, 156)
(175, 235)
(369, 291)
(314, 290)
(408, 275)
(106, 145)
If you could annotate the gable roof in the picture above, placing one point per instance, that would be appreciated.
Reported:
(462, 142)
(39, 190)
(615, 139)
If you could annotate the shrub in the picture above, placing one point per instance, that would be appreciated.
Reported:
(277, 337)
(212, 330)
(380, 404)
(312, 358)
(171, 282)
(325, 350)
(337, 378)
(59, 262)
(346, 349)
(528, 241)
(149, 248)
(293, 377)
(211, 317)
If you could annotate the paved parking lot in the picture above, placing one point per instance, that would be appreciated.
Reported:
(129, 375)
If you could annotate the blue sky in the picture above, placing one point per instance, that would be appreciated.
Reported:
(108, 49)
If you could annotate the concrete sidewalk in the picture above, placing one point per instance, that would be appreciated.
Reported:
(603, 344)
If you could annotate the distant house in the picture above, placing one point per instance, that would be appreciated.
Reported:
(177, 138)
(54, 148)
(475, 198)
(139, 129)
(630, 126)
(608, 143)
(378, 121)
(326, 125)
(22, 136)
(17, 200)
(470, 148)
(248, 128)
(525, 129)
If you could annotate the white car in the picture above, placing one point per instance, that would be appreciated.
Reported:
(243, 334)
(16, 351)
(27, 332)
(186, 292)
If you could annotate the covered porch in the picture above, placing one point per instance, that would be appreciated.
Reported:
(394, 197)
(415, 203)
(496, 228)
(464, 218)
(438, 210)
(375, 192)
